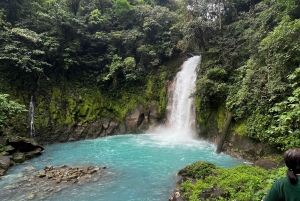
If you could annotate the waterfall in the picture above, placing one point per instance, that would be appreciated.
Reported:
(182, 118)
(181, 113)
(31, 118)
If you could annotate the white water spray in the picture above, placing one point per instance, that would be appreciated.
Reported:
(181, 106)
(31, 118)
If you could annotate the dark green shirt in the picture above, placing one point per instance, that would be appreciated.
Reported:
(283, 190)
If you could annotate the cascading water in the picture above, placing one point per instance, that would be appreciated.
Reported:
(183, 106)
(181, 120)
(31, 118)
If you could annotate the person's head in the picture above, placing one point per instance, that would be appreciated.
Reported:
(292, 161)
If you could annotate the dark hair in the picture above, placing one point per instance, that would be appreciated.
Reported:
(292, 161)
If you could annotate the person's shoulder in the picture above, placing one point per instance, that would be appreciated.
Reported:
(283, 180)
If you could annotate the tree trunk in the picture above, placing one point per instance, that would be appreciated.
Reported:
(224, 133)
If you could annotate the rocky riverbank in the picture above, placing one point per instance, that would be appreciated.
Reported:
(42, 184)
(16, 150)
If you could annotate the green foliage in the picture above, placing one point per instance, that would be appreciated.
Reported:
(250, 52)
(9, 111)
(240, 128)
(130, 68)
(121, 8)
(243, 182)
(21, 48)
(217, 74)
(248, 64)
(199, 169)
(113, 42)
(284, 131)
(115, 65)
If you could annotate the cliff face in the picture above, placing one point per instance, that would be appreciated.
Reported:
(76, 108)
(237, 143)
(70, 115)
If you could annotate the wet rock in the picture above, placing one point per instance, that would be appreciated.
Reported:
(213, 193)
(4, 162)
(2, 172)
(18, 157)
(135, 120)
(24, 144)
(48, 168)
(29, 168)
(45, 183)
(153, 115)
(176, 196)
(31, 196)
(112, 126)
(8, 149)
(41, 174)
(265, 163)
(58, 179)
(33, 154)
(68, 174)
(4, 153)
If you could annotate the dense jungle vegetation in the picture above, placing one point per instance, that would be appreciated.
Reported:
(250, 63)
(250, 54)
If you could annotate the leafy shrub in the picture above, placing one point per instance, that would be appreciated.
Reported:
(198, 170)
(243, 182)
(217, 74)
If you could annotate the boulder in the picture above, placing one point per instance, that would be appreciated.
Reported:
(4, 164)
(10, 149)
(24, 144)
(4, 153)
(2, 172)
(34, 153)
(265, 164)
(18, 157)
(213, 193)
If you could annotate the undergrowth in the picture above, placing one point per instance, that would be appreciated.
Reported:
(243, 182)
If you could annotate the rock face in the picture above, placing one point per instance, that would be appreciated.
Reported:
(24, 144)
(137, 120)
(267, 164)
(16, 150)
(236, 145)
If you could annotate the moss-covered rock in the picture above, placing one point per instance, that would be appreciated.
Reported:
(18, 157)
(197, 170)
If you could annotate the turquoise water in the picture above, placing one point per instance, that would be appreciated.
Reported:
(139, 167)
